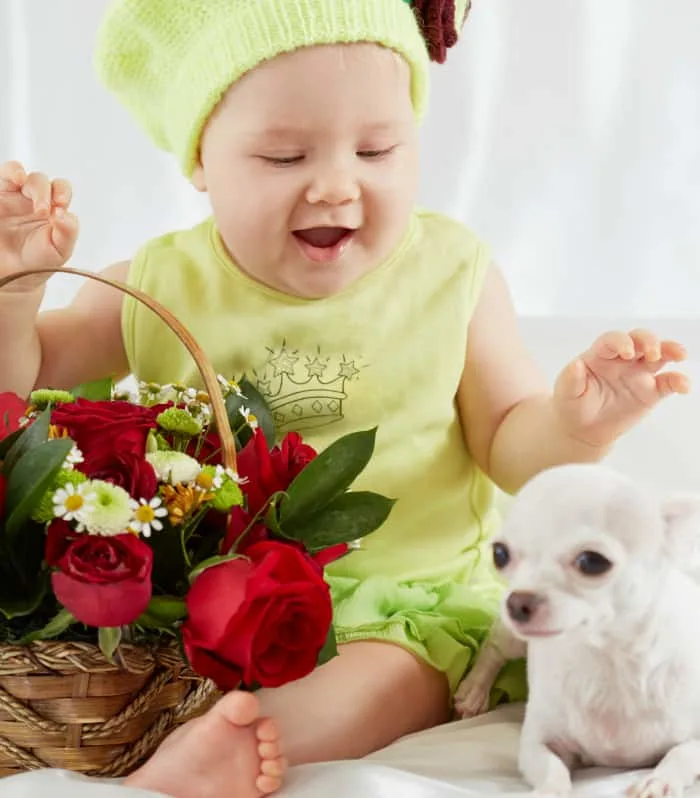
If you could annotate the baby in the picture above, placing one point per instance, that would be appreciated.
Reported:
(348, 308)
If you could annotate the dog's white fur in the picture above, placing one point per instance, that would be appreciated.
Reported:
(613, 659)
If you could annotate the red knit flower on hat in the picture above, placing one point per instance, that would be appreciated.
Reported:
(439, 26)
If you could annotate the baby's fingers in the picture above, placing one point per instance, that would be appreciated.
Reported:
(614, 344)
(64, 232)
(670, 382)
(37, 188)
(61, 193)
(12, 176)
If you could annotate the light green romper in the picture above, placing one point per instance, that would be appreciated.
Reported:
(388, 351)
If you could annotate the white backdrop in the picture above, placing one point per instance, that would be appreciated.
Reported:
(564, 131)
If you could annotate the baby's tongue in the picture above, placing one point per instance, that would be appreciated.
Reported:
(322, 237)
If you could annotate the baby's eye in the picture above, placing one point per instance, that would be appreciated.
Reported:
(501, 555)
(370, 154)
(287, 160)
(591, 563)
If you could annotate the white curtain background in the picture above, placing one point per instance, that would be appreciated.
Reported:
(565, 132)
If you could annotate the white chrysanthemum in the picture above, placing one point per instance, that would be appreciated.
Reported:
(147, 515)
(73, 502)
(110, 513)
(174, 467)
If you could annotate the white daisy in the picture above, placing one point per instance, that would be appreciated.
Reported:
(73, 502)
(229, 386)
(74, 457)
(250, 418)
(147, 515)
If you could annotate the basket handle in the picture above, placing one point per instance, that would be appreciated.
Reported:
(206, 370)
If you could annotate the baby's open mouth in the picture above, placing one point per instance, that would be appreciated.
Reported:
(323, 244)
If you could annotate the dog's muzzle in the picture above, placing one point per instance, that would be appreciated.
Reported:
(522, 605)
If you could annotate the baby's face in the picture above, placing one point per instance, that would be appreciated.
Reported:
(311, 166)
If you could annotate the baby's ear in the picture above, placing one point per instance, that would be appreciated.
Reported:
(681, 518)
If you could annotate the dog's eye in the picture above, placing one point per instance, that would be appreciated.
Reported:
(591, 563)
(501, 555)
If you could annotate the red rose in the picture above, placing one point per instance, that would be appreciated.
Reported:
(12, 408)
(95, 423)
(268, 471)
(262, 619)
(101, 581)
(119, 462)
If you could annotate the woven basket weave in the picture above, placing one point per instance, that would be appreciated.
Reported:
(63, 704)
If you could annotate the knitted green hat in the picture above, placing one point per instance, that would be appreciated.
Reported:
(170, 61)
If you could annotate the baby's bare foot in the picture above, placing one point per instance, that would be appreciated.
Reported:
(228, 753)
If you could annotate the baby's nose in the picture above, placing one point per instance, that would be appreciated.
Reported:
(522, 605)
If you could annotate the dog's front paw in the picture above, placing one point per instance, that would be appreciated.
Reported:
(655, 786)
(472, 696)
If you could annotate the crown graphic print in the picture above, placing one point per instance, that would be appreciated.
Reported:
(306, 390)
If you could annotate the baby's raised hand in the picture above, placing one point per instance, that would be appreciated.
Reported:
(606, 390)
(36, 228)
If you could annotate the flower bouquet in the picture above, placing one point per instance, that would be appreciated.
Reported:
(144, 563)
(156, 548)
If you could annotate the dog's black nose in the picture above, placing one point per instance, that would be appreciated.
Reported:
(522, 605)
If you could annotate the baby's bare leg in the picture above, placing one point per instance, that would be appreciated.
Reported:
(364, 699)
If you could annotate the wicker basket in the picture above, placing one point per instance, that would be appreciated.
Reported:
(63, 704)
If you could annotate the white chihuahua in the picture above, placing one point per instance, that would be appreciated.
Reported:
(601, 593)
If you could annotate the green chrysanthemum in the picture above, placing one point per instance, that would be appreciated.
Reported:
(220, 482)
(179, 421)
(44, 511)
(111, 512)
(45, 397)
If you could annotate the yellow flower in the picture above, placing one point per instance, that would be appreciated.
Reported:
(183, 500)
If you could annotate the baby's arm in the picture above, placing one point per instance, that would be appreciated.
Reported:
(83, 342)
(509, 419)
(515, 427)
(59, 348)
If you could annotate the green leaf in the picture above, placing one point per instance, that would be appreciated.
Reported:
(109, 638)
(326, 476)
(96, 391)
(348, 517)
(7, 443)
(162, 612)
(13, 605)
(30, 479)
(55, 627)
(330, 647)
(32, 436)
(211, 562)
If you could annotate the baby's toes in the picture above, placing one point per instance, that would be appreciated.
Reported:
(271, 775)
(269, 741)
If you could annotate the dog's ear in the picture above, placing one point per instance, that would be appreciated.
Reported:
(681, 518)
